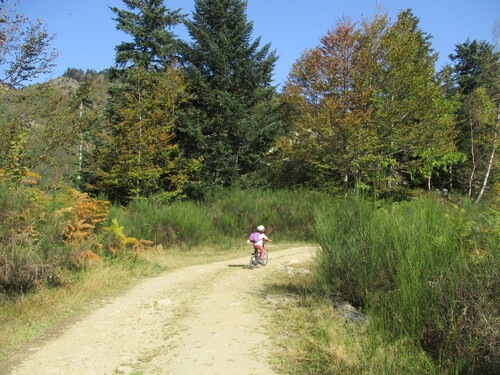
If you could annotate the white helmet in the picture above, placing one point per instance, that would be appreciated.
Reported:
(261, 228)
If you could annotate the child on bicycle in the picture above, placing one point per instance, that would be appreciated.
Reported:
(258, 238)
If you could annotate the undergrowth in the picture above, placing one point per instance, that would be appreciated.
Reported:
(44, 235)
(427, 271)
(224, 218)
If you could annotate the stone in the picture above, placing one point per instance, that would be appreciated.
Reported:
(126, 370)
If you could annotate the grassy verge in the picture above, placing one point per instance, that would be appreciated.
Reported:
(224, 219)
(312, 338)
(27, 317)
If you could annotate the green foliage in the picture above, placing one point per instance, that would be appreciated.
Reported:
(148, 23)
(224, 218)
(369, 108)
(79, 75)
(138, 156)
(475, 74)
(332, 138)
(34, 128)
(425, 270)
(475, 64)
(233, 117)
(120, 245)
(46, 128)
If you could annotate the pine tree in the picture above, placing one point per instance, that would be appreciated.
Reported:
(232, 119)
(148, 22)
(137, 156)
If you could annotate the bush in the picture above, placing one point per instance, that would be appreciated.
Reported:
(43, 234)
(424, 269)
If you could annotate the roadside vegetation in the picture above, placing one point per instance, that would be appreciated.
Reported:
(63, 250)
(425, 272)
(319, 340)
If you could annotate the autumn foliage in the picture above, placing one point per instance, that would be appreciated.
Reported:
(44, 233)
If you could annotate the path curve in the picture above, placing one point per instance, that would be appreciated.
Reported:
(206, 319)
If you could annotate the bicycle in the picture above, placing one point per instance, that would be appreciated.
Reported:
(255, 258)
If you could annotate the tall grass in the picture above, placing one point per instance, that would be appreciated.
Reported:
(313, 338)
(425, 269)
(224, 218)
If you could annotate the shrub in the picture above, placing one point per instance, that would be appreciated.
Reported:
(223, 218)
(42, 234)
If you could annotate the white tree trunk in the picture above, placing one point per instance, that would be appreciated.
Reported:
(491, 161)
(80, 149)
(472, 151)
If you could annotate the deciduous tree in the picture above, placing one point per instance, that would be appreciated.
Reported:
(414, 120)
(332, 132)
(370, 106)
(476, 77)
(25, 51)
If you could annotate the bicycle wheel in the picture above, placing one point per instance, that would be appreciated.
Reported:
(254, 260)
(266, 258)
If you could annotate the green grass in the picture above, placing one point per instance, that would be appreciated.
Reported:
(311, 338)
(224, 218)
(425, 270)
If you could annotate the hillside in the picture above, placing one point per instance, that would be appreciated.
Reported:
(41, 118)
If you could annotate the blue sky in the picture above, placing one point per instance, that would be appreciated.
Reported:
(86, 34)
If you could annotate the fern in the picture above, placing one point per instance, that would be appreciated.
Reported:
(85, 214)
(121, 242)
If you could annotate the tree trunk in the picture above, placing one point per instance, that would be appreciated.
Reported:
(492, 159)
(450, 182)
(473, 172)
(80, 149)
(346, 187)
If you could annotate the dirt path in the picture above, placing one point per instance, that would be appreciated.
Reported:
(205, 320)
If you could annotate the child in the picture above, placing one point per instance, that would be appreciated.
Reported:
(258, 238)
